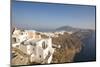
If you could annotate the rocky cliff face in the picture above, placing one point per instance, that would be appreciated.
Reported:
(70, 45)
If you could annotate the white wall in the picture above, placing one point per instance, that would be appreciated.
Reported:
(5, 33)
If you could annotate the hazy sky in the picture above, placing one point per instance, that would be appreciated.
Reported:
(45, 16)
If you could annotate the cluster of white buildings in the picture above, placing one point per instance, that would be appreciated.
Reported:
(55, 34)
(39, 50)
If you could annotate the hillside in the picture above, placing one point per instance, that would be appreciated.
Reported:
(70, 45)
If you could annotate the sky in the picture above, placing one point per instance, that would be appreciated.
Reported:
(35, 15)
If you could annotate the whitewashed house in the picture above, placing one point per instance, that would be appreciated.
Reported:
(19, 35)
(39, 50)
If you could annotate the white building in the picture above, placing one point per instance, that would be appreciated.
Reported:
(40, 51)
(19, 35)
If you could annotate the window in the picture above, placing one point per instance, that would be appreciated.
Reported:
(33, 49)
(17, 46)
(13, 40)
(34, 44)
(44, 45)
(40, 56)
(21, 33)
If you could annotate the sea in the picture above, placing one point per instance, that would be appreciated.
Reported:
(88, 52)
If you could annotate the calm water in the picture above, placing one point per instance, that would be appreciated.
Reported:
(88, 53)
